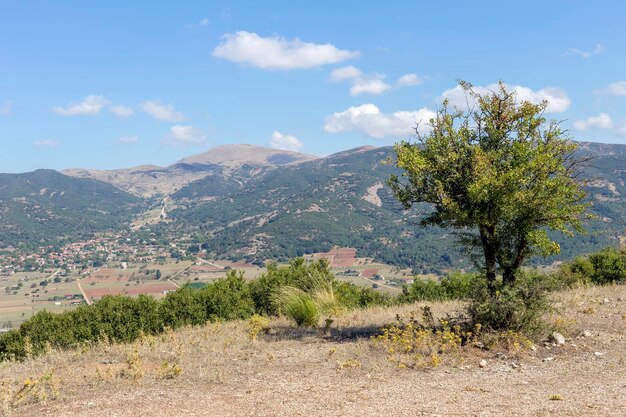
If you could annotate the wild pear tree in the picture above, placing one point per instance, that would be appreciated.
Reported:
(499, 173)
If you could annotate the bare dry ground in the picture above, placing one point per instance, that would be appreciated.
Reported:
(217, 370)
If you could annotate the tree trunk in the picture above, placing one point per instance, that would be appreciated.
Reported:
(490, 260)
(510, 272)
(508, 277)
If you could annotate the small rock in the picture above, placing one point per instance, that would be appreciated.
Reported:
(620, 299)
(500, 355)
(557, 338)
(483, 364)
(514, 365)
(548, 359)
(605, 301)
(598, 354)
(533, 348)
(586, 333)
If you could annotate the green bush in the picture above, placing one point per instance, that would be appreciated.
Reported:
(519, 308)
(183, 307)
(298, 274)
(609, 266)
(352, 297)
(604, 267)
(454, 286)
(124, 319)
(297, 305)
(227, 299)
(423, 290)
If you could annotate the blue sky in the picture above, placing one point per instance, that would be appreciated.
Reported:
(114, 84)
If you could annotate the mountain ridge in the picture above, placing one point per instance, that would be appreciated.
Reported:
(151, 181)
(258, 212)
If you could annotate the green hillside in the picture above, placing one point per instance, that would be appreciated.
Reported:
(45, 205)
(343, 200)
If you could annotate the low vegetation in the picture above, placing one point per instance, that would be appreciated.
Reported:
(308, 290)
(306, 293)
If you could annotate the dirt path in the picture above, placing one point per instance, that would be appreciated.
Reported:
(80, 287)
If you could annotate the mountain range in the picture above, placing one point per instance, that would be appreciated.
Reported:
(254, 203)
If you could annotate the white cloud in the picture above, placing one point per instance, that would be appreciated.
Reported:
(618, 88)
(276, 53)
(122, 111)
(598, 49)
(601, 121)
(361, 83)
(91, 104)
(203, 22)
(345, 73)
(6, 108)
(184, 135)
(369, 85)
(127, 140)
(160, 111)
(285, 142)
(47, 143)
(558, 101)
(368, 120)
(622, 129)
(409, 80)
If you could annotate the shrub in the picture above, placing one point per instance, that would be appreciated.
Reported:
(604, 267)
(423, 290)
(298, 274)
(462, 285)
(609, 265)
(182, 307)
(454, 286)
(257, 325)
(297, 305)
(351, 296)
(427, 344)
(227, 299)
(519, 307)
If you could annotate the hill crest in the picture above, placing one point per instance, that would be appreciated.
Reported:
(240, 154)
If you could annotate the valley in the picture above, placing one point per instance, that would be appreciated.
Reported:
(238, 207)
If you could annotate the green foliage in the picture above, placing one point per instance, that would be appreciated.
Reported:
(519, 307)
(227, 299)
(500, 174)
(604, 267)
(454, 286)
(124, 319)
(183, 307)
(423, 290)
(45, 205)
(298, 274)
(298, 305)
(353, 297)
